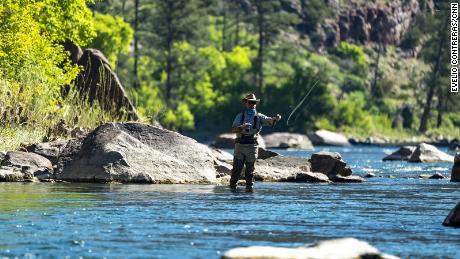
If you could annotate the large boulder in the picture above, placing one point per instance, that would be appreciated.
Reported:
(402, 154)
(227, 140)
(98, 82)
(287, 140)
(140, 153)
(453, 219)
(426, 153)
(328, 138)
(344, 248)
(455, 176)
(25, 165)
(329, 163)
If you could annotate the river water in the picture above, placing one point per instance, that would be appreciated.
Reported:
(401, 215)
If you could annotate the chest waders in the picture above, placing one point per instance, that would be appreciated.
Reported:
(246, 149)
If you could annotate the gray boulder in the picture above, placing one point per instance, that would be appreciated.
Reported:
(19, 166)
(427, 153)
(455, 176)
(98, 82)
(328, 138)
(453, 219)
(222, 155)
(432, 176)
(344, 248)
(287, 140)
(227, 140)
(140, 153)
(402, 154)
(280, 168)
(329, 163)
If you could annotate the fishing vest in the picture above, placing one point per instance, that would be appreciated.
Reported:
(251, 138)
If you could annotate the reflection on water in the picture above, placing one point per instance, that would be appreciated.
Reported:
(401, 216)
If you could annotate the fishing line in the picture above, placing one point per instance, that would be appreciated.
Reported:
(300, 103)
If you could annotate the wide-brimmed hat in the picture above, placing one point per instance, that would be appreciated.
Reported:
(250, 97)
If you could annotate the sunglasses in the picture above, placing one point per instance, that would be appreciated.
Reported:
(251, 102)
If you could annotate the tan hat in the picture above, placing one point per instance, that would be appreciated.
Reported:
(250, 97)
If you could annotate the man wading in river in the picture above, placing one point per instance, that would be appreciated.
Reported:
(247, 126)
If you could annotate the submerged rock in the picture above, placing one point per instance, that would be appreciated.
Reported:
(344, 248)
(369, 175)
(426, 153)
(287, 140)
(346, 179)
(136, 152)
(227, 140)
(402, 154)
(453, 219)
(432, 176)
(455, 176)
(328, 138)
(329, 163)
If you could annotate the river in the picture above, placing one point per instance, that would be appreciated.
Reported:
(400, 215)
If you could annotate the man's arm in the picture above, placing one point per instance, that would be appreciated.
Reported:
(269, 121)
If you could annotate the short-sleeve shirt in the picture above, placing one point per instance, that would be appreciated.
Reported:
(262, 120)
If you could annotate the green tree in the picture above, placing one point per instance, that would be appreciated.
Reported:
(268, 21)
(113, 36)
(174, 21)
(435, 54)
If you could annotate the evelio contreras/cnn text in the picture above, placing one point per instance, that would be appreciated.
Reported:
(454, 47)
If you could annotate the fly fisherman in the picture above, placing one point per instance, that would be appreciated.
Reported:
(247, 126)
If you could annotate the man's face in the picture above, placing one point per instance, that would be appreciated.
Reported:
(250, 104)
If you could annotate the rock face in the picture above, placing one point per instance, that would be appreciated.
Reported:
(455, 176)
(329, 163)
(328, 138)
(20, 166)
(402, 154)
(227, 140)
(371, 23)
(140, 153)
(426, 153)
(345, 248)
(453, 219)
(287, 140)
(99, 82)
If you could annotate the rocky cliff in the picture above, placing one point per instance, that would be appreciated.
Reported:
(363, 22)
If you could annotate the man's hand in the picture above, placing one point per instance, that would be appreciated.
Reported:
(276, 119)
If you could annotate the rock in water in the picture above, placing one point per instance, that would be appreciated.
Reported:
(280, 168)
(329, 163)
(402, 154)
(455, 176)
(453, 219)
(345, 248)
(426, 153)
(328, 138)
(19, 166)
(287, 140)
(227, 140)
(263, 153)
(136, 152)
